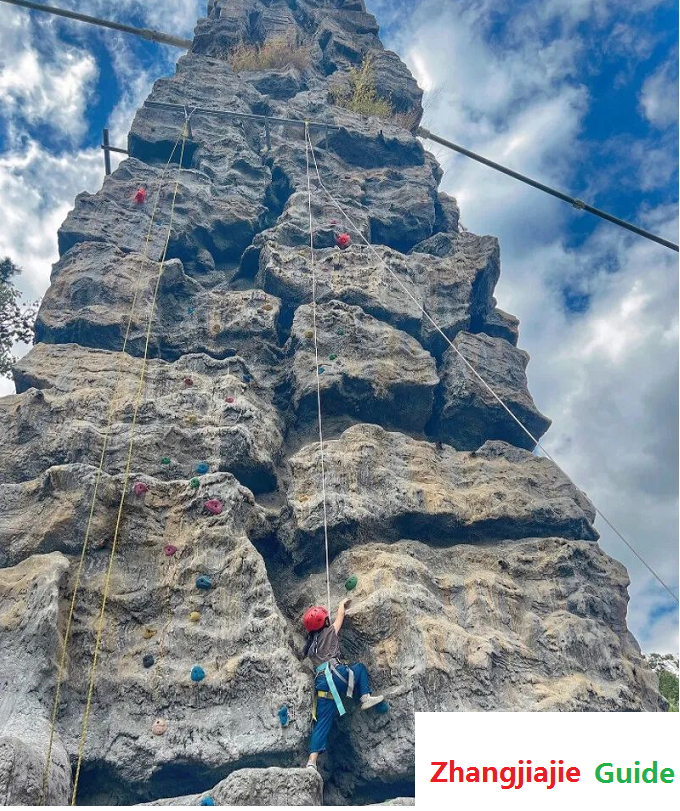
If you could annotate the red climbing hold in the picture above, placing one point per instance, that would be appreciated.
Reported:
(315, 618)
(229, 400)
(169, 550)
(139, 488)
(343, 241)
(140, 196)
(213, 506)
(188, 382)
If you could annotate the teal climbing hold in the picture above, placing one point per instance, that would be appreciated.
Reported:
(321, 370)
(194, 483)
(166, 460)
(197, 673)
(382, 708)
(207, 801)
(284, 716)
(332, 357)
(203, 582)
(351, 583)
(202, 468)
(341, 332)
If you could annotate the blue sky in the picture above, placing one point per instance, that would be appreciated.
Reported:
(581, 94)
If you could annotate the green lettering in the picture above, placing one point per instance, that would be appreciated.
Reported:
(646, 776)
(667, 775)
(607, 777)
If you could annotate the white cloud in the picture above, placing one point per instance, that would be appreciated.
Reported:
(659, 95)
(607, 376)
(43, 81)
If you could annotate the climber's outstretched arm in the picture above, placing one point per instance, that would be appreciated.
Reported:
(340, 616)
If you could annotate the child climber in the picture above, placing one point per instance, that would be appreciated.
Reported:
(331, 676)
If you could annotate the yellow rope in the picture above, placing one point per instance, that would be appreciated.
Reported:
(126, 478)
(107, 435)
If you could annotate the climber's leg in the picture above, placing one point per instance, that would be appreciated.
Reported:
(362, 685)
(325, 715)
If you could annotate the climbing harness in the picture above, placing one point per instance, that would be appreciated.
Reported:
(329, 670)
(107, 434)
(421, 308)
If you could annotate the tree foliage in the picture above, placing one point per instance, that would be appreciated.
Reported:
(17, 319)
(668, 687)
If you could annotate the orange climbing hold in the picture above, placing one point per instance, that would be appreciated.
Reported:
(140, 196)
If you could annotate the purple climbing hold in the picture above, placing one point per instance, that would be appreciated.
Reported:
(169, 550)
(139, 488)
(213, 506)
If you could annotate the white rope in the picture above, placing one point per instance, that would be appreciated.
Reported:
(318, 376)
(473, 370)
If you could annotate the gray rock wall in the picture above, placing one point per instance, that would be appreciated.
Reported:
(480, 582)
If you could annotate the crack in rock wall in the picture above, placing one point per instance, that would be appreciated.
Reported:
(480, 582)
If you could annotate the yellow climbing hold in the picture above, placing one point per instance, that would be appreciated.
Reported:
(192, 419)
(309, 335)
(195, 616)
(149, 633)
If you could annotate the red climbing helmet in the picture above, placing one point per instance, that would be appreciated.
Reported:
(343, 241)
(315, 618)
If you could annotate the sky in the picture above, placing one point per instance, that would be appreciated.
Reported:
(580, 94)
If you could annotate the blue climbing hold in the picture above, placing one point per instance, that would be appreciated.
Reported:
(207, 801)
(197, 673)
(203, 582)
(247, 378)
(202, 468)
(321, 370)
(382, 708)
(148, 660)
(284, 717)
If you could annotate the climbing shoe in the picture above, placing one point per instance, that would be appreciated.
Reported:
(311, 765)
(369, 701)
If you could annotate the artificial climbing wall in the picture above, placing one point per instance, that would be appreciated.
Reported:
(480, 582)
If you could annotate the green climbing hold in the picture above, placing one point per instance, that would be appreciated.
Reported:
(195, 482)
(332, 357)
(341, 332)
(166, 460)
(351, 583)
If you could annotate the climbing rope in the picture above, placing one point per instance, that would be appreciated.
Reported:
(383, 263)
(126, 476)
(107, 435)
(318, 371)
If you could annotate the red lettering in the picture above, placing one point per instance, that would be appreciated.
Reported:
(436, 778)
(573, 774)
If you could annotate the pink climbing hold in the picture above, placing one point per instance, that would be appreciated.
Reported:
(188, 382)
(229, 400)
(169, 550)
(213, 506)
(139, 488)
